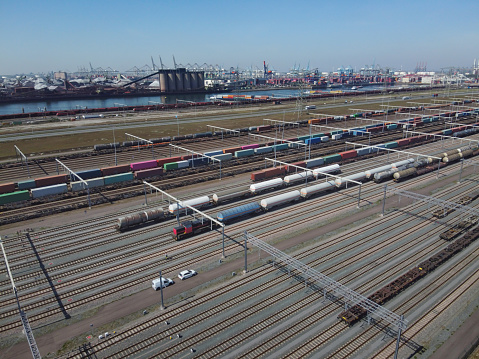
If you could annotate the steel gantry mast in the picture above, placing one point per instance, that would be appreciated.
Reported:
(349, 296)
(23, 316)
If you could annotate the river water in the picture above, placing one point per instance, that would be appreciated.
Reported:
(62, 105)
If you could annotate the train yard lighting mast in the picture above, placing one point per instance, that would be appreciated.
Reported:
(222, 225)
(22, 158)
(26, 325)
(73, 174)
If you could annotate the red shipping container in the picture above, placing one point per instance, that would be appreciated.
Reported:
(51, 180)
(403, 142)
(374, 129)
(293, 169)
(273, 172)
(7, 188)
(187, 157)
(153, 172)
(162, 161)
(231, 150)
(348, 154)
(263, 128)
(256, 176)
(114, 170)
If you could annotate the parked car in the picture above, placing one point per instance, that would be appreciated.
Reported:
(187, 274)
(163, 282)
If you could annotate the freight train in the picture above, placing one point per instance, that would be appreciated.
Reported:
(190, 228)
(97, 178)
(355, 313)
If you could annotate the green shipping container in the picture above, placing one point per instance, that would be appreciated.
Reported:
(338, 132)
(14, 197)
(391, 145)
(26, 184)
(244, 153)
(318, 135)
(170, 166)
(283, 146)
(302, 138)
(332, 158)
(121, 177)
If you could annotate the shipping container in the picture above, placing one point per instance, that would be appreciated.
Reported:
(92, 183)
(198, 161)
(224, 157)
(28, 184)
(332, 158)
(403, 142)
(49, 190)
(244, 153)
(162, 161)
(182, 164)
(290, 168)
(312, 141)
(114, 170)
(314, 162)
(213, 153)
(7, 187)
(280, 147)
(348, 154)
(50, 180)
(248, 147)
(393, 144)
(152, 172)
(261, 150)
(14, 197)
(170, 166)
(122, 177)
(230, 150)
(84, 175)
(143, 165)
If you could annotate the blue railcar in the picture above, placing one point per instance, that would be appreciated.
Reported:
(239, 211)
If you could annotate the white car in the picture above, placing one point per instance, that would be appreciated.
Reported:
(186, 274)
(161, 282)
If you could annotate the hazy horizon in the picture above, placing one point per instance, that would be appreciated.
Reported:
(66, 36)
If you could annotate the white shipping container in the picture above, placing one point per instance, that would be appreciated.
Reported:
(183, 164)
(49, 190)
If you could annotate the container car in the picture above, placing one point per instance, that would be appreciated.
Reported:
(92, 183)
(13, 197)
(51, 180)
(28, 184)
(121, 177)
(7, 188)
(152, 172)
(137, 166)
(114, 170)
(49, 190)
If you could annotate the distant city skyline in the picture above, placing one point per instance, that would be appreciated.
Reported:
(68, 35)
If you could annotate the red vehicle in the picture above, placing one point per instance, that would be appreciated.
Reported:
(190, 228)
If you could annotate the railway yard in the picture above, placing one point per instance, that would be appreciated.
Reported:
(83, 260)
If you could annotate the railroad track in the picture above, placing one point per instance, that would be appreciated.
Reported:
(179, 249)
(118, 355)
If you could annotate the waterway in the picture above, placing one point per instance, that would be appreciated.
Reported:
(63, 105)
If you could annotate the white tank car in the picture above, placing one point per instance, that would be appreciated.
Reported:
(370, 173)
(402, 163)
(262, 186)
(361, 176)
(195, 202)
(312, 190)
(278, 200)
(298, 177)
(328, 169)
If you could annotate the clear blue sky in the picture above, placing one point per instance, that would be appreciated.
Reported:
(53, 35)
